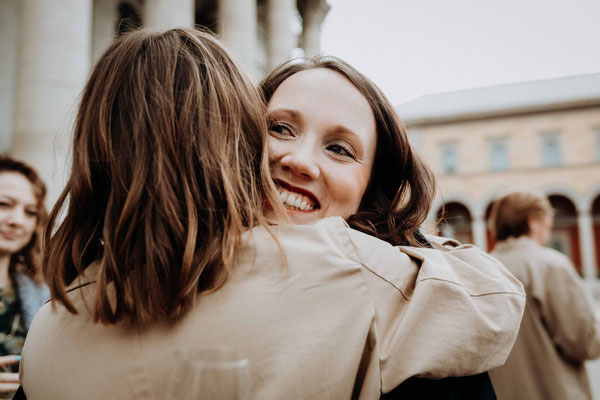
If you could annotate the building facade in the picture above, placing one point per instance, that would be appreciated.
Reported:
(48, 47)
(543, 135)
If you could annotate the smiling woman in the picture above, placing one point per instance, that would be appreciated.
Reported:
(321, 146)
(337, 148)
(22, 215)
(336, 139)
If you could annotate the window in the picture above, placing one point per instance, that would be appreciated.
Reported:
(550, 149)
(498, 154)
(449, 158)
(129, 19)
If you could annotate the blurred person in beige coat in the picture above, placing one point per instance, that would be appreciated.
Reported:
(166, 247)
(559, 330)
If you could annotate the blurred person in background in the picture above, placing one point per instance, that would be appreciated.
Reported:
(559, 330)
(22, 293)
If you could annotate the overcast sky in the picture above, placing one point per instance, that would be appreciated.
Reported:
(415, 47)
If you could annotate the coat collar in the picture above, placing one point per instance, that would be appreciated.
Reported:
(521, 241)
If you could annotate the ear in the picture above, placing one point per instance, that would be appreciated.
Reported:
(534, 226)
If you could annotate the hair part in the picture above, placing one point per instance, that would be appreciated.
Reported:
(30, 256)
(168, 172)
(401, 188)
(510, 214)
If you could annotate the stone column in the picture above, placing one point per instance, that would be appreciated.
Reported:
(280, 39)
(167, 14)
(479, 232)
(238, 30)
(586, 240)
(53, 64)
(9, 50)
(105, 18)
(313, 14)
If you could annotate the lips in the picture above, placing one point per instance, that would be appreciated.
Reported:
(9, 235)
(295, 198)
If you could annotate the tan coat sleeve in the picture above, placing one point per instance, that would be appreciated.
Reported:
(454, 313)
(567, 310)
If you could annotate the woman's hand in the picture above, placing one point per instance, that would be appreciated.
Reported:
(9, 381)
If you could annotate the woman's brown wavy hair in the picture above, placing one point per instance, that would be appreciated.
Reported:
(167, 173)
(30, 256)
(401, 188)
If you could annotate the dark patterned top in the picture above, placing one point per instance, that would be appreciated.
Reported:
(12, 331)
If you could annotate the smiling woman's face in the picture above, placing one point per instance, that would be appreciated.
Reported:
(18, 212)
(321, 145)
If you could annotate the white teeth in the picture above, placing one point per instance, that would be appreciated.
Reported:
(295, 202)
(283, 196)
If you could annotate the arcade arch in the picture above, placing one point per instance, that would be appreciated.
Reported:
(455, 221)
(565, 233)
(595, 214)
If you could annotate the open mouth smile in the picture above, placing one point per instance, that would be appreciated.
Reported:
(296, 199)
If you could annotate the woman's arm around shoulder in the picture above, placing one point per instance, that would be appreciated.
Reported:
(439, 313)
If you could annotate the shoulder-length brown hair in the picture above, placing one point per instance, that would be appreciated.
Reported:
(30, 256)
(167, 173)
(511, 212)
(401, 188)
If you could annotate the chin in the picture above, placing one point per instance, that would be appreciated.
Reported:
(303, 217)
(10, 250)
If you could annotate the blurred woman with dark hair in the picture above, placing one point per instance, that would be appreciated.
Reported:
(22, 293)
(560, 329)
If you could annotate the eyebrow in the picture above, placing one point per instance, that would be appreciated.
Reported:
(295, 115)
(343, 129)
(14, 199)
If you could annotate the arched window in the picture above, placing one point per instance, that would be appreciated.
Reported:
(206, 14)
(491, 239)
(129, 18)
(455, 222)
(596, 222)
(565, 235)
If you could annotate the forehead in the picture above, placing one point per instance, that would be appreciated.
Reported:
(17, 186)
(324, 92)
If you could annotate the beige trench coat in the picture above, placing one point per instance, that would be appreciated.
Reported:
(349, 316)
(558, 332)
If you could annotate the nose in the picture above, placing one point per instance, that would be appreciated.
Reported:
(17, 217)
(300, 159)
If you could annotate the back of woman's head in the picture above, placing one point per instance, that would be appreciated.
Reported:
(167, 173)
(401, 188)
(30, 256)
(510, 213)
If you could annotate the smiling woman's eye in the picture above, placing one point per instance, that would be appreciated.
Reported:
(32, 213)
(280, 129)
(342, 149)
